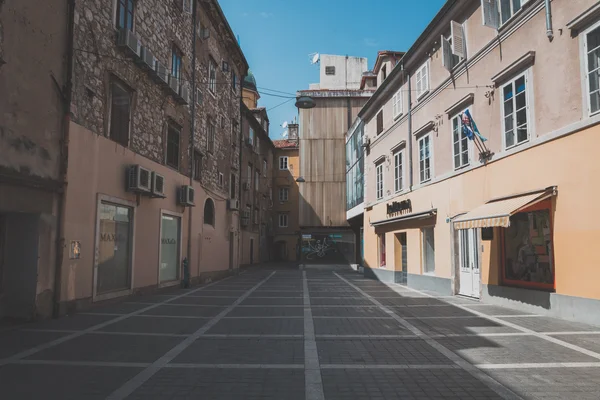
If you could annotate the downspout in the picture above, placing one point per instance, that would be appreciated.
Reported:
(409, 140)
(549, 30)
(64, 160)
(192, 135)
(240, 169)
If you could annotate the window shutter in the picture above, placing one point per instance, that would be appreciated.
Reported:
(491, 16)
(459, 47)
(380, 122)
(446, 54)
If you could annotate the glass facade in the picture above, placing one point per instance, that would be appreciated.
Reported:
(355, 166)
(114, 253)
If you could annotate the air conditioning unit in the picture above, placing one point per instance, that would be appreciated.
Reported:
(246, 186)
(158, 185)
(147, 59)
(186, 196)
(184, 94)
(225, 66)
(139, 179)
(233, 204)
(162, 75)
(174, 84)
(129, 42)
(204, 33)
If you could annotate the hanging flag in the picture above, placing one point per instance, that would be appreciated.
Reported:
(469, 128)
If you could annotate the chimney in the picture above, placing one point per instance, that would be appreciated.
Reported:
(293, 132)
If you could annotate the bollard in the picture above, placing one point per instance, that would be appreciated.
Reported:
(185, 282)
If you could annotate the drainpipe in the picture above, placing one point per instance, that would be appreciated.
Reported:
(549, 30)
(240, 169)
(64, 160)
(409, 141)
(193, 133)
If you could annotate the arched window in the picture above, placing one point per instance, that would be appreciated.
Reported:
(209, 212)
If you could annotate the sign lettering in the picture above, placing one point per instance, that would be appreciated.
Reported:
(400, 206)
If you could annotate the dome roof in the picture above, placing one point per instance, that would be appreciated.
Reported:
(250, 82)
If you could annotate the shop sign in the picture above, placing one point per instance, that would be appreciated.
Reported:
(307, 237)
(399, 206)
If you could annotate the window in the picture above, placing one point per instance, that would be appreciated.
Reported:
(264, 168)
(283, 163)
(265, 125)
(223, 122)
(428, 250)
(256, 213)
(120, 113)
(176, 63)
(232, 185)
(397, 103)
(460, 143)
(197, 165)
(283, 220)
(592, 57)
(251, 137)
(173, 135)
(508, 8)
(257, 147)
(381, 239)
(256, 179)
(212, 76)
(330, 70)
(221, 179)
(234, 79)
(515, 110)
(125, 14)
(249, 175)
(423, 79)
(284, 194)
(398, 171)
(199, 97)
(209, 212)
(210, 139)
(379, 180)
(425, 154)
(383, 72)
(234, 132)
(380, 122)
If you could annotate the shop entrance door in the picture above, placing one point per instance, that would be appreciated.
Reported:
(469, 262)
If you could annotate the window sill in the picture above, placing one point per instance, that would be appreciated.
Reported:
(397, 117)
(425, 181)
(422, 95)
(516, 145)
(462, 167)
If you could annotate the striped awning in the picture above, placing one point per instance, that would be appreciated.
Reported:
(498, 212)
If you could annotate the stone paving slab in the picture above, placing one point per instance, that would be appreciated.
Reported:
(156, 324)
(219, 293)
(51, 382)
(358, 327)
(282, 326)
(75, 322)
(444, 326)
(109, 348)
(376, 352)
(267, 302)
(403, 300)
(179, 310)
(547, 324)
(512, 349)
(552, 383)
(431, 311)
(404, 384)
(243, 351)
(356, 301)
(276, 294)
(213, 301)
(348, 312)
(588, 342)
(119, 308)
(17, 340)
(266, 311)
(495, 310)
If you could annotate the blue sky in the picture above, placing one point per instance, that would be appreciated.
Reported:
(278, 35)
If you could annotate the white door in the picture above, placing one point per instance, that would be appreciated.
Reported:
(468, 241)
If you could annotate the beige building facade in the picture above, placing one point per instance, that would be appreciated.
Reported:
(501, 209)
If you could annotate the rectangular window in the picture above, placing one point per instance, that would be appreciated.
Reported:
(114, 247)
(283, 220)
(422, 79)
(428, 250)
(197, 165)
(170, 239)
(283, 163)
(257, 147)
(125, 9)
(460, 143)
(234, 132)
(508, 8)
(221, 179)
(265, 168)
(176, 63)
(515, 110)
(251, 137)
(380, 122)
(398, 171)
(397, 103)
(120, 113)
(383, 72)
(330, 70)
(284, 194)
(232, 186)
(379, 180)
(234, 79)
(425, 154)
(256, 179)
(592, 65)
(210, 139)
(256, 213)
(381, 239)
(212, 76)
(249, 178)
(173, 136)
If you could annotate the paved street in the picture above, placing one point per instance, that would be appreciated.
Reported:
(288, 334)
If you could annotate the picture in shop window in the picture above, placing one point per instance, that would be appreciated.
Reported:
(528, 249)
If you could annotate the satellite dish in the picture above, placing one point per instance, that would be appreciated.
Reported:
(284, 134)
(284, 125)
(315, 58)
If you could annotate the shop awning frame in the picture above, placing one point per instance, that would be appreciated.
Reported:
(406, 217)
(497, 212)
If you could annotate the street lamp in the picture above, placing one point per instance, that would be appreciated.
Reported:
(300, 179)
(305, 102)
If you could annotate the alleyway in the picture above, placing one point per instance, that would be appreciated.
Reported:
(288, 334)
